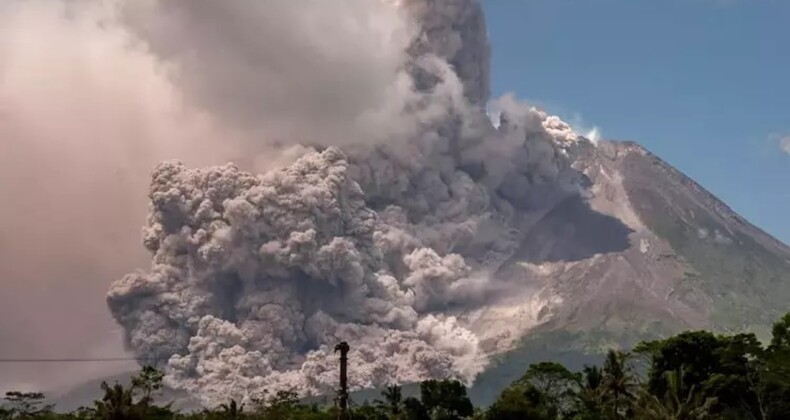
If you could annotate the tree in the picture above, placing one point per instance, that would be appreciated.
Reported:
(618, 383)
(117, 404)
(448, 398)
(148, 381)
(393, 401)
(770, 374)
(589, 397)
(26, 404)
(281, 406)
(781, 334)
(718, 367)
(674, 405)
(519, 402)
(368, 412)
(133, 402)
(556, 383)
(413, 409)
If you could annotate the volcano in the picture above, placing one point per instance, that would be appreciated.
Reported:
(670, 257)
(442, 234)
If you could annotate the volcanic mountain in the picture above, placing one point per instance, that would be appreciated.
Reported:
(645, 253)
(441, 233)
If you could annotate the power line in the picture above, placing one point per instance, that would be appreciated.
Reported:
(82, 360)
(88, 359)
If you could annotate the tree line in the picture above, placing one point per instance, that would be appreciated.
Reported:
(690, 376)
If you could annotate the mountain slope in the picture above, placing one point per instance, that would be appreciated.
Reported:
(688, 262)
(744, 272)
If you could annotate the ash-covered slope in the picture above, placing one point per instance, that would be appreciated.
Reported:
(680, 260)
(733, 275)
(743, 272)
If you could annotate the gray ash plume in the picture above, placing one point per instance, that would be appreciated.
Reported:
(397, 199)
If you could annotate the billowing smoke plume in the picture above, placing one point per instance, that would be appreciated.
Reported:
(371, 200)
(401, 200)
(285, 261)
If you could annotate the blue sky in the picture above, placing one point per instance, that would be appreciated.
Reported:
(702, 83)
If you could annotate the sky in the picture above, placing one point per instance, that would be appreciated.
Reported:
(701, 83)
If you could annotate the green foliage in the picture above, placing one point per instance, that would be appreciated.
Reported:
(393, 401)
(716, 366)
(132, 403)
(619, 384)
(414, 409)
(446, 400)
(590, 397)
(674, 404)
(555, 383)
(780, 339)
(521, 401)
(148, 381)
(770, 374)
(691, 376)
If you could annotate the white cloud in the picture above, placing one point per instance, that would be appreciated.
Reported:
(780, 139)
(593, 133)
(784, 143)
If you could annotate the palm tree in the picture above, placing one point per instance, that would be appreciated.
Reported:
(618, 381)
(674, 406)
(590, 394)
(117, 403)
(393, 400)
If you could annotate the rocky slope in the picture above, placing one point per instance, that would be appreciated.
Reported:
(645, 252)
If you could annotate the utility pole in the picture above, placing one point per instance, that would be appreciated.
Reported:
(342, 394)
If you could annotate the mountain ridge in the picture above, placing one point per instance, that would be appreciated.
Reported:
(667, 215)
(692, 263)
(721, 207)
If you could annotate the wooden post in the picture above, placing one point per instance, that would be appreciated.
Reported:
(342, 395)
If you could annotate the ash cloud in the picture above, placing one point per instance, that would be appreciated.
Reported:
(369, 199)
(402, 198)
(316, 72)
